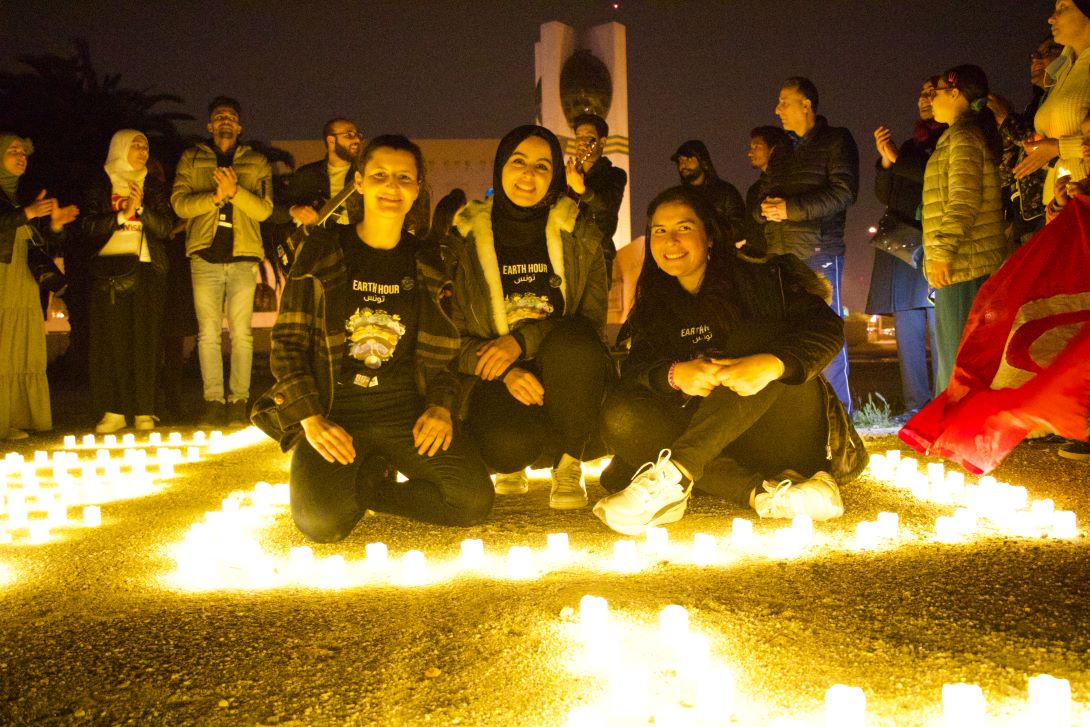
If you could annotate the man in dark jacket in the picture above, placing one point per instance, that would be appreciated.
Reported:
(810, 184)
(599, 184)
(763, 140)
(314, 184)
(694, 166)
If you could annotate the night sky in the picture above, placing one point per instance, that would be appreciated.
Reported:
(438, 69)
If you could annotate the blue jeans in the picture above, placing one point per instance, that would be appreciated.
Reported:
(915, 326)
(215, 284)
(831, 267)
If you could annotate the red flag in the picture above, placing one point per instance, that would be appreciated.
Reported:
(1024, 358)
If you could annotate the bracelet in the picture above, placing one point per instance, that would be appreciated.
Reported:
(670, 376)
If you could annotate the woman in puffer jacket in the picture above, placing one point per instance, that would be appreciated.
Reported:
(963, 231)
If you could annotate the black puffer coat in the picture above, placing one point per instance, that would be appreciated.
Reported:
(818, 175)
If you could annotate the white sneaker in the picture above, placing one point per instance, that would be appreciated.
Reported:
(110, 423)
(144, 422)
(655, 496)
(513, 483)
(568, 492)
(818, 497)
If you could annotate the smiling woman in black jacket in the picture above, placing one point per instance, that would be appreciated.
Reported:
(723, 382)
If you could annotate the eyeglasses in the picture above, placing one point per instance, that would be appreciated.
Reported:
(935, 91)
(347, 134)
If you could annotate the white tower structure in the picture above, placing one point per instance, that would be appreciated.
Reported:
(588, 73)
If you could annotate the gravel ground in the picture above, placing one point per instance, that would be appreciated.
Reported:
(93, 632)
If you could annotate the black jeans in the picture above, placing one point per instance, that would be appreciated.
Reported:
(575, 369)
(124, 356)
(730, 444)
(328, 499)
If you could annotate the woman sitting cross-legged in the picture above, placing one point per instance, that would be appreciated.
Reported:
(530, 303)
(361, 353)
(722, 389)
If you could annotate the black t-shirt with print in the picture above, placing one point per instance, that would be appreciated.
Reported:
(383, 300)
(531, 289)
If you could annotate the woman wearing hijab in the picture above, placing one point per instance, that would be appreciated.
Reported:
(24, 389)
(127, 219)
(530, 305)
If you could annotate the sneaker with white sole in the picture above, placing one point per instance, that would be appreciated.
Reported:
(512, 483)
(569, 491)
(1076, 450)
(654, 497)
(817, 496)
(110, 423)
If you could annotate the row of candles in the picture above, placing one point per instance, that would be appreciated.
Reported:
(37, 494)
(222, 551)
(1005, 507)
(199, 438)
(703, 691)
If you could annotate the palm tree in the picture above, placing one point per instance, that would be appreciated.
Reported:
(70, 112)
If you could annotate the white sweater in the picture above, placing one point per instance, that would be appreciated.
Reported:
(1061, 113)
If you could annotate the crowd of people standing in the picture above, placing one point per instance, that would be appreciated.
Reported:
(462, 347)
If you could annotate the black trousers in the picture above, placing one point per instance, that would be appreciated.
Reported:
(730, 444)
(125, 331)
(328, 499)
(575, 370)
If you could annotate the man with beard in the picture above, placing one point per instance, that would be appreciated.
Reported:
(694, 166)
(596, 182)
(809, 185)
(312, 185)
(223, 190)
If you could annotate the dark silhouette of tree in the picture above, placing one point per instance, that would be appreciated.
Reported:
(70, 111)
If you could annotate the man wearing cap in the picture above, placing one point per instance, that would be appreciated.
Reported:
(694, 166)
(809, 185)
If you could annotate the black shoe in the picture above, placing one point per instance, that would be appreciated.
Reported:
(237, 414)
(214, 414)
(1075, 449)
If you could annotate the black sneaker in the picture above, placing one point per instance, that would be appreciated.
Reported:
(214, 414)
(1075, 449)
(237, 414)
